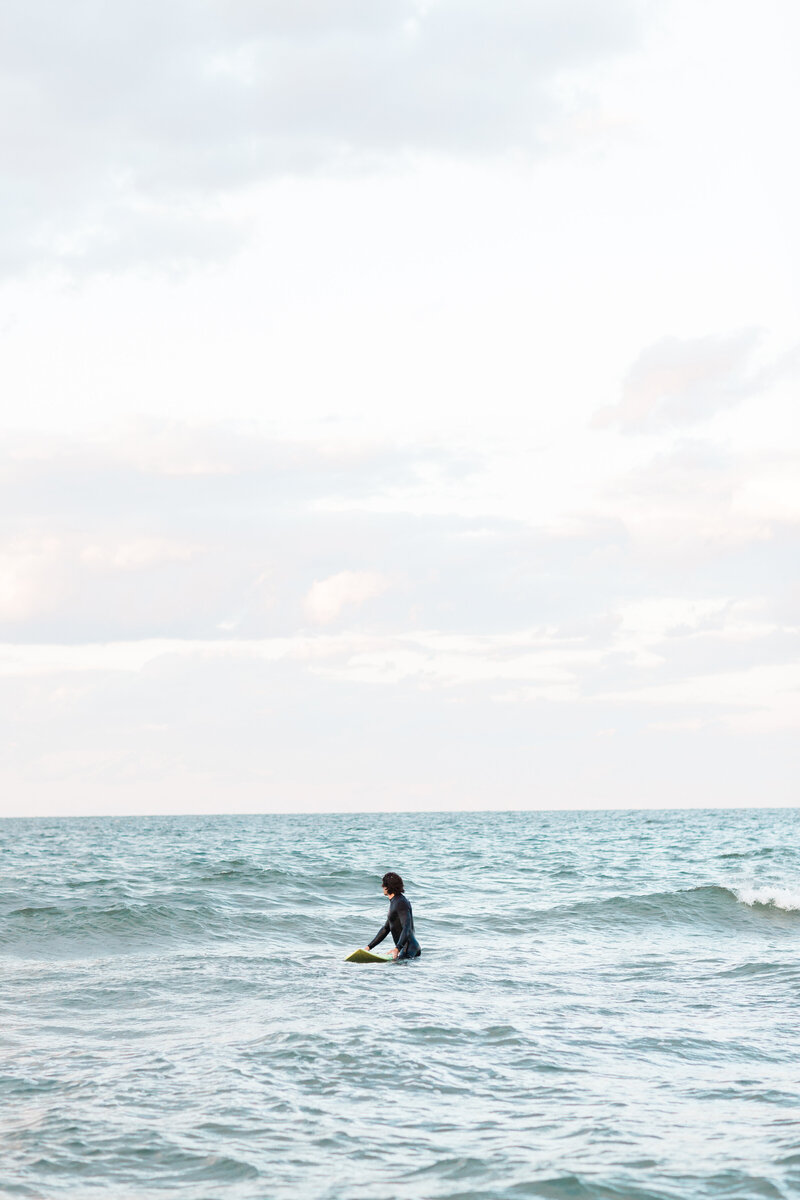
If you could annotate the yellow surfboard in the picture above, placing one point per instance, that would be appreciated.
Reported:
(367, 956)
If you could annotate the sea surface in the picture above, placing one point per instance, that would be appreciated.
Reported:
(607, 1006)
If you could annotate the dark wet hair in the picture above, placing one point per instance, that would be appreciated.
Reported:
(392, 882)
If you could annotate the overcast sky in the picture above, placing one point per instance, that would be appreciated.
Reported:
(399, 404)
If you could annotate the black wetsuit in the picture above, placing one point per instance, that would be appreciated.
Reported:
(400, 923)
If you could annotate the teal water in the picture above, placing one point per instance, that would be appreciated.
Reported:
(606, 1007)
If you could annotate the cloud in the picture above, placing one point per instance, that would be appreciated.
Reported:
(658, 645)
(760, 699)
(45, 576)
(217, 454)
(179, 531)
(431, 718)
(699, 502)
(232, 734)
(678, 382)
(402, 716)
(137, 554)
(771, 495)
(28, 582)
(127, 127)
(328, 598)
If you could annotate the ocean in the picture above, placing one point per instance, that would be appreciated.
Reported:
(606, 1006)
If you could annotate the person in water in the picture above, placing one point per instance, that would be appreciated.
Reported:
(399, 920)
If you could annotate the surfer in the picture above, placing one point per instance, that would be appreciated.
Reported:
(399, 920)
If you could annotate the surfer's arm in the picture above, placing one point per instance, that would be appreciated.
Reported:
(405, 932)
(382, 932)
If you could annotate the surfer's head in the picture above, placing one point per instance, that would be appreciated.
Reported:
(392, 883)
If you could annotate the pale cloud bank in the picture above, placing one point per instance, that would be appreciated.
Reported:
(147, 119)
(327, 598)
(425, 719)
(680, 382)
(108, 537)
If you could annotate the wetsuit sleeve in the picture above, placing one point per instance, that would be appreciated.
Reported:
(381, 934)
(405, 932)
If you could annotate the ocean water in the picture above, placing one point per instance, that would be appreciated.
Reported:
(607, 1006)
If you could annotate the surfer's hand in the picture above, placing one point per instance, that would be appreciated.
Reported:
(395, 952)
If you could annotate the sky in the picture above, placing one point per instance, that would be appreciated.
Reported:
(398, 405)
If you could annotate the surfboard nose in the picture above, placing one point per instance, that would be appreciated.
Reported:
(366, 956)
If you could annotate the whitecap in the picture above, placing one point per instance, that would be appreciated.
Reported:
(786, 898)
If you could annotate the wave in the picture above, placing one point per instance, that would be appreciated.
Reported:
(203, 898)
(759, 852)
(243, 873)
(108, 929)
(781, 970)
(786, 899)
(715, 904)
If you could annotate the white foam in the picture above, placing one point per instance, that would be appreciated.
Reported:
(776, 897)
